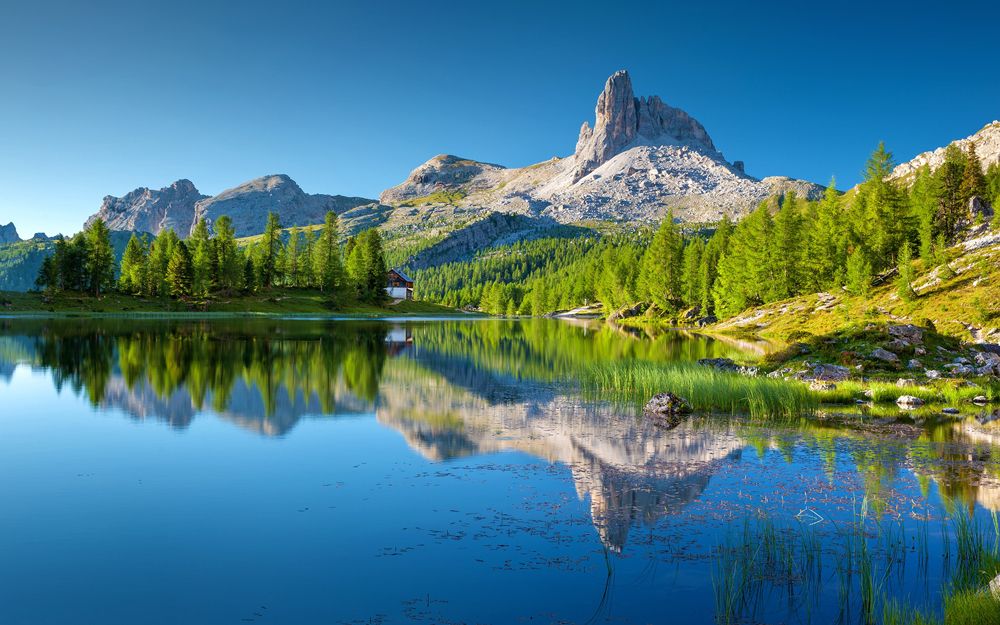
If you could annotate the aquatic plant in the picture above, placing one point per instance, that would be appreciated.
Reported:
(708, 390)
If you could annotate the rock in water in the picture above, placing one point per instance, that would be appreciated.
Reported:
(909, 401)
(667, 406)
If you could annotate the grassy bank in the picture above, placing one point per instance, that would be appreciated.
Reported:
(276, 301)
(707, 389)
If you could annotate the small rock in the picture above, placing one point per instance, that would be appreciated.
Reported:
(667, 404)
(913, 364)
(870, 394)
(909, 401)
(907, 332)
(919, 351)
(979, 399)
(949, 410)
(897, 346)
(884, 355)
(725, 364)
(932, 374)
(830, 373)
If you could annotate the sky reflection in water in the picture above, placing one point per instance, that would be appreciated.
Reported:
(447, 472)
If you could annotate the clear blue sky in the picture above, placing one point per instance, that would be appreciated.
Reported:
(99, 98)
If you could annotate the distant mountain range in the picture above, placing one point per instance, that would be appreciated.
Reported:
(181, 205)
(640, 157)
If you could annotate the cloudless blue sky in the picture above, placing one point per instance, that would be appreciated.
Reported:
(99, 98)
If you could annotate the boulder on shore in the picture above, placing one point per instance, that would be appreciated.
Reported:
(884, 355)
(910, 333)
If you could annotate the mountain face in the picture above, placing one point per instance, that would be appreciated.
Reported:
(8, 234)
(149, 210)
(640, 157)
(249, 203)
(180, 205)
(987, 142)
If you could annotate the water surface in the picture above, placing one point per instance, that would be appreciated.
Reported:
(310, 471)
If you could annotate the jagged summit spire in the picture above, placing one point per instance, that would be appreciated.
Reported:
(621, 119)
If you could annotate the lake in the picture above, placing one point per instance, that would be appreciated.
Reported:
(451, 471)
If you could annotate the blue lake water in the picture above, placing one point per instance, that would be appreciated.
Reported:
(266, 471)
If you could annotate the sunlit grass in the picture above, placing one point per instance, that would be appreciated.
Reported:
(707, 390)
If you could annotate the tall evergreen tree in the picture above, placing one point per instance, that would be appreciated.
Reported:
(951, 208)
(133, 267)
(904, 281)
(744, 271)
(180, 273)
(691, 276)
(327, 266)
(973, 179)
(859, 272)
(662, 265)
(786, 250)
(228, 257)
(100, 257)
(199, 245)
(269, 252)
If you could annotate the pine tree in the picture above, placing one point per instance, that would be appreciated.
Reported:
(880, 214)
(904, 282)
(199, 245)
(48, 274)
(691, 277)
(951, 208)
(785, 260)
(376, 268)
(180, 274)
(744, 270)
(227, 255)
(924, 204)
(973, 181)
(826, 242)
(269, 252)
(100, 257)
(161, 251)
(133, 267)
(327, 265)
(660, 275)
(859, 273)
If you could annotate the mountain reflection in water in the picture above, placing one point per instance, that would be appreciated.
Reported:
(451, 388)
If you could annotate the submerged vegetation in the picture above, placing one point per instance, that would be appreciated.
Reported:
(765, 563)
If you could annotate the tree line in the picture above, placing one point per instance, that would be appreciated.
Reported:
(787, 246)
(216, 263)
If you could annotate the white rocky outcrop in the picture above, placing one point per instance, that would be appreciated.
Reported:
(986, 140)
(640, 157)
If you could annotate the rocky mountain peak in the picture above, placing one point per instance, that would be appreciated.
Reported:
(987, 146)
(151, 210)
(622, 120)
(8, 234)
